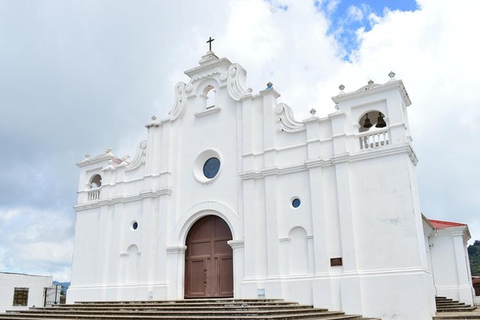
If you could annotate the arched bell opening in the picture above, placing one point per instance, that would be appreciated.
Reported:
(372, 120)
(95, 181)
(209, 259)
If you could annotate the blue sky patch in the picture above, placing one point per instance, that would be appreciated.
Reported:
(347, 16)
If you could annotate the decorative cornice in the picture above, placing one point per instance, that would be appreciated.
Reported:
(206, 74)
(373, 89)
(120, 199)
(324, 162)
(386, 151)
(205, 68)
(104, 157)
(340, 158)
(314, 163)
(286, 121)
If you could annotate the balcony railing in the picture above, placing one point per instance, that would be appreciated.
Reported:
(369, 140)
(94, 194)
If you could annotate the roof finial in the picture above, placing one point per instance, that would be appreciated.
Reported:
(210, 40)
(269, 85)
(392, 76)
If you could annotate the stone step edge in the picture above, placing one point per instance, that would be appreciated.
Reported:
(231, 307)
(332, 314)
(183, 300)
(160, 312)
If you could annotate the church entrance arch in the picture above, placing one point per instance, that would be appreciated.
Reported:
(209, 259)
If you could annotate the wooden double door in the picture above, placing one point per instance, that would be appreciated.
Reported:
(209, 259)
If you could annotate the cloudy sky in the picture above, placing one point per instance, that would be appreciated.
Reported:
(77, 77)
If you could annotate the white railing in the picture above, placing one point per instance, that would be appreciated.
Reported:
(374, 139)
(94, 194)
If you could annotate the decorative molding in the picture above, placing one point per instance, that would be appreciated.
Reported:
(386, 151)
(121, 199)
(324, 162)
(372, 89)
(286, 120)
(140, 156)
(107, 156)
(236, 244)
(412, 156)
(208, 111)
(206, 74)
(340, 158)
(176, 249)
(314, 163)
(237, 82)
(180, 100)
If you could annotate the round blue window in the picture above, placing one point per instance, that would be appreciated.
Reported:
(135, 225)
(211, 167)
(296, 203)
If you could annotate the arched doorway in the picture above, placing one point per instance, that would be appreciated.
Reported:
(209, 259)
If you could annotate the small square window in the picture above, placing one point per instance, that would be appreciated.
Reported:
(20, 297)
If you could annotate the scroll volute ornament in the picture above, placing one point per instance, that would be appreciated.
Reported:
(237, 82)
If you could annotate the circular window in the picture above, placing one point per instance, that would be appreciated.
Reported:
(135, 225)
(207, 166)
(296, 203)
(211, 167)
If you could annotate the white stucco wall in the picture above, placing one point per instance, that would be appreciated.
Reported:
(451, 267)
(35, 285)
(357, 204)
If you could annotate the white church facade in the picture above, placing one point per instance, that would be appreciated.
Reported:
(231, 196)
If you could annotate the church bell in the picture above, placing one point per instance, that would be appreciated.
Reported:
(380, 122)
(367, 124)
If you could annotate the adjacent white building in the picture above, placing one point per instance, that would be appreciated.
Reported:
(449, 260)
(20, 291)
(232, 196)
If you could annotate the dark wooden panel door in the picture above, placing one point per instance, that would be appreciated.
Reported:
(209, 260)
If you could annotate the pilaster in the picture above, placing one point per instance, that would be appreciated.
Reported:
(238, 266)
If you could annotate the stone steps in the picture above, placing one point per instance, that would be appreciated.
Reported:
(189, 304)
(167, 308)
(449, 305)
(211, 309)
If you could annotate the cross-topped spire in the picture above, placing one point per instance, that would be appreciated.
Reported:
(210, 40)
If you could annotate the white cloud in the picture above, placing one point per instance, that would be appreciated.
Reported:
(36, 241)
(332, 5)
(354, 13)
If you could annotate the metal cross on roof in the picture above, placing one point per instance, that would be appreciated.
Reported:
(210, 40)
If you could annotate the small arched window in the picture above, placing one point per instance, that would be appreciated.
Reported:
(210, 94)
(96, 181)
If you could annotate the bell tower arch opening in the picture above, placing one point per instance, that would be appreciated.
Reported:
(209, 259)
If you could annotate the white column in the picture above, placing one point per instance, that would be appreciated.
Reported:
(176, 272)
(238, 266)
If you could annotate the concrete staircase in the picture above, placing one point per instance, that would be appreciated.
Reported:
(449, 305)
(182, 310)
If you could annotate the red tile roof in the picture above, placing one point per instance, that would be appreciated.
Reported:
(438, 224)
